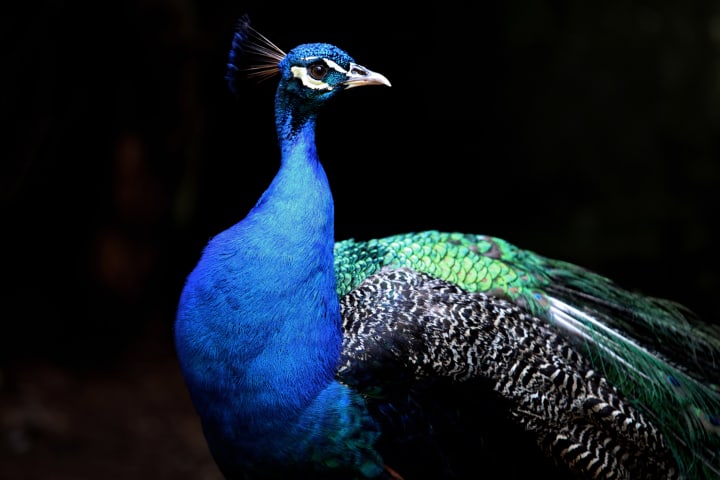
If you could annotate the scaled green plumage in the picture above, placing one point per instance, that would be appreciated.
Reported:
(474, 262)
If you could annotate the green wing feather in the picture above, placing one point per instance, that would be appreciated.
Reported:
(474, 262)
(655, 351)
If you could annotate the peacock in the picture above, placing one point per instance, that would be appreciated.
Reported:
(426, 354)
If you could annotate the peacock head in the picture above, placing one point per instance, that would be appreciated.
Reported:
(320, 70)
(312, 71)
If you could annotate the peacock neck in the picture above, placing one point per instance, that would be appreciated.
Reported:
(271, 278)
(291, 228)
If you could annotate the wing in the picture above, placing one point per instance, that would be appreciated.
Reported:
(653, 350)
(407, 329)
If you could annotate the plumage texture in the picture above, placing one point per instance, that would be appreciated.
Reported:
(410, 356)
(432, 328)
(652, 349)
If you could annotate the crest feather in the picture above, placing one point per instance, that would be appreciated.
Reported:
(251, 55)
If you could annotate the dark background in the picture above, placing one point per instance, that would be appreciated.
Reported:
(587, 132)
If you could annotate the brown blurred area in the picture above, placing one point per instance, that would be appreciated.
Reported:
(132, 420)
(588, 133)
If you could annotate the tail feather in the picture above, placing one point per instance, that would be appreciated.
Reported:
(668, 328)
(657, 354)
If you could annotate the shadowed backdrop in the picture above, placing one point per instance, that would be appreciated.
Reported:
(584, 132)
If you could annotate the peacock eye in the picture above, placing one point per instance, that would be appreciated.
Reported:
(318, 70)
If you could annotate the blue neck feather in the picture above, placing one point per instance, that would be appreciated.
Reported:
(259, 327)
(279, 303)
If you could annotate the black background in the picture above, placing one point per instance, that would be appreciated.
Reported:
(587, 132)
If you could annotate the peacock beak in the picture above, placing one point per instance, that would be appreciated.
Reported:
(359, 76)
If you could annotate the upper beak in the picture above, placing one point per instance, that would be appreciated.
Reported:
(358, 76)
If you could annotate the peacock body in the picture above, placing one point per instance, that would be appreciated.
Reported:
(395, 357)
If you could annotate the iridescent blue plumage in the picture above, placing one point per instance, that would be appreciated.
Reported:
(259, 355)
(307, 358)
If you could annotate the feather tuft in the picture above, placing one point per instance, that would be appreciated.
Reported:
(252, 55)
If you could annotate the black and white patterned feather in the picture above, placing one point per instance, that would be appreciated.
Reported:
(425, 328)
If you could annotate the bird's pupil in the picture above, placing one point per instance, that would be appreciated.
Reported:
(318, 70)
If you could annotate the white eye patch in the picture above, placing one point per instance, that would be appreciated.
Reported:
(302, 74)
